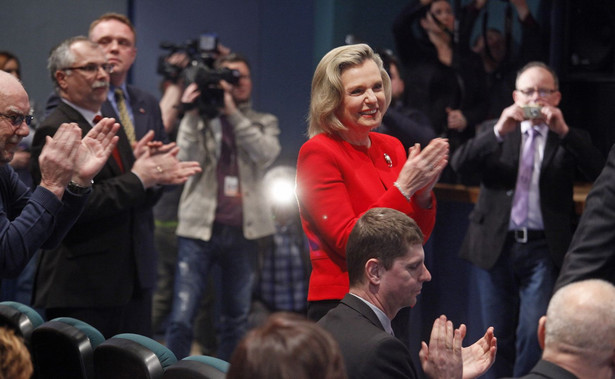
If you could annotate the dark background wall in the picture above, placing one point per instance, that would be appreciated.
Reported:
(285, 40)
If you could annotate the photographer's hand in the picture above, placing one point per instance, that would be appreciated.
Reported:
(191, 93)
(229, 103)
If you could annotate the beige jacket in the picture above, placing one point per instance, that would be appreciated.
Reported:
(256, 137)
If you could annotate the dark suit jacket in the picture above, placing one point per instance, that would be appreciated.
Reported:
(592, 250)
(368, 351)
(497, 163)
(110, 249)
(548, 370)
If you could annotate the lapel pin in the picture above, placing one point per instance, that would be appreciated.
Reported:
(388, 160)
(141, 110)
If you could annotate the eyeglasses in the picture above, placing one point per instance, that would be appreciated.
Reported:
(17, 119)
(542, 92)
(92, 68)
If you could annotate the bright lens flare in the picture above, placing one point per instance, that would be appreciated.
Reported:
(282, 192)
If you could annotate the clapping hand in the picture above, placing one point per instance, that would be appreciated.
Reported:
(94, 151)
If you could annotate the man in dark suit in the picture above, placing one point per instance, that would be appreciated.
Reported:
(104, 271)
(592, 250)
(578, 333)
(386, 269)
(523, 221)
(41, 217)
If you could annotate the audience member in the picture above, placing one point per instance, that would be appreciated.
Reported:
(223, 212)
(165, 219)
(407, 124)
(387, 270)
(501, 57)
(284, 259)
(20, 288)
(592, 250)
(445, 79)
(10, 63)
(522, 223)
(103, 273)
(21, 159)
(31, 219)
(578, 333)
(15, 361)
(345, 169)
(287, 346)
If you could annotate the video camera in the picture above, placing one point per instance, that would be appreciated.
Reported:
(202, 53)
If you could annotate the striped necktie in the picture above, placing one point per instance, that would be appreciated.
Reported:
(129, 128)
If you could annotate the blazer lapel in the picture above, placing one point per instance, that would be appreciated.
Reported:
(551, 145)
(359, 306)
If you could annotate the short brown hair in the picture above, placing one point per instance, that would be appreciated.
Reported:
(327, 88)
(287, 346)
(114, 16)
(232, 58)
(381, 233)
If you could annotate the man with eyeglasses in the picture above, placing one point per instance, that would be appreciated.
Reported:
(104, 271)
(523, 220)
(39, 218)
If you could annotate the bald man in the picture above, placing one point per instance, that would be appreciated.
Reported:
(578, 333)
(30, 220)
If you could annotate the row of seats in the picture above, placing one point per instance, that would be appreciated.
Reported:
(69, 348)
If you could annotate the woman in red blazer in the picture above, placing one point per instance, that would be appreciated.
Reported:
(345, 168)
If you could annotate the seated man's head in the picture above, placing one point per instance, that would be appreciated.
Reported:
(386, 261)
(578, 332)
(80, 72)
(287, 346)
(14, 115)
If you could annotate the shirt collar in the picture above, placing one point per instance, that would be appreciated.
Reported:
(384, 320)
(111, 93)
(86, 113)
(542, 128)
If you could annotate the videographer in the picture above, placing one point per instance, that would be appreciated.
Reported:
(223, 211)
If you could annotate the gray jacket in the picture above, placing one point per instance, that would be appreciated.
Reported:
(256, 137)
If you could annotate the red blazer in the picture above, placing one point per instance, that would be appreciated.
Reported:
(336, 183)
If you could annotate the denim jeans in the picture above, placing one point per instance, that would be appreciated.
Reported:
(514, 294)
(236, 258)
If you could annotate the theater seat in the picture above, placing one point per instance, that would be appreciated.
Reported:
(197, 367)
(64, 348)
(20, 318)
(131, 356)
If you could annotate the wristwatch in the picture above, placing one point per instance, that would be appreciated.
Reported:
(76, 189)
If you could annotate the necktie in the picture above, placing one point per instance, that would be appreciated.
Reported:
(129, 128)
(522, 191)
(116, 152)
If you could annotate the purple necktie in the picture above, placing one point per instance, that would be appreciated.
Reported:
(522, 192)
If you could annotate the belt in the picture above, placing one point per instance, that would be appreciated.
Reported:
(525, 235)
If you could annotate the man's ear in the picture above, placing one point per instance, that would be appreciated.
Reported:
(372, 270)
(61, 78)
(542, 324)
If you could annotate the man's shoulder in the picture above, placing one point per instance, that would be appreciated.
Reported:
(62, 113)
(253, 114)
(367, 349)
(352, 318)
(137, 93)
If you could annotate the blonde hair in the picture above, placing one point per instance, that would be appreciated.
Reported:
(327, 87)
(15, 362)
